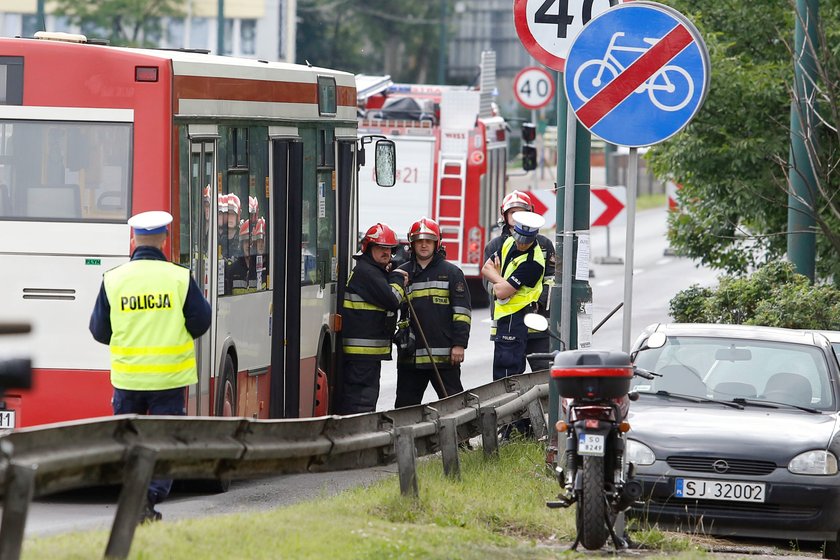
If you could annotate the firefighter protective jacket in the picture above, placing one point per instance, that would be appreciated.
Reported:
(441, 301)
(371, 301)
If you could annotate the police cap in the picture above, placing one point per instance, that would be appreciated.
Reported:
(526, 226)
(150, 223)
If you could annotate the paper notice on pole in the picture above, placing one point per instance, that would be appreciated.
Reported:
(584, 326)
(583, 254)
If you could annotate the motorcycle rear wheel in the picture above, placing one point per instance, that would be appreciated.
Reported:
(591, 506)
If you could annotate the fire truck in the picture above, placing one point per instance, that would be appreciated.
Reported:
(452, 153)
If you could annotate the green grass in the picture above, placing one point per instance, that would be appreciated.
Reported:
(648, 201)
(495, 511)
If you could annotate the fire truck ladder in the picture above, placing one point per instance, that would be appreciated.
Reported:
(449, 206)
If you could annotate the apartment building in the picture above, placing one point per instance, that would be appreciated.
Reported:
(261, 29)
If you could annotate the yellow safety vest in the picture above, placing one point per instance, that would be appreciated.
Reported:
(151, 349)
(525, 295)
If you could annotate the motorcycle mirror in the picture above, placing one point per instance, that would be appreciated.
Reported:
(656, 340)
(536, 322)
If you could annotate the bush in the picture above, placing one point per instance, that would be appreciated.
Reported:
(775, 295)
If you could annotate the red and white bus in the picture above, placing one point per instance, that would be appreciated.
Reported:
(257, 162)
(452, 152)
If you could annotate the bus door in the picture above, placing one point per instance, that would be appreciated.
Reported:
(286, 185)
(198, 221)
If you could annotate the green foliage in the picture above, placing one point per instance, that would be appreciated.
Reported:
(496, 510)
(122, 22)
(360, 36)
(731, 159)
(775, 295)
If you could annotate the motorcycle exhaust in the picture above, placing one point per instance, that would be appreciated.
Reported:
(630, 494)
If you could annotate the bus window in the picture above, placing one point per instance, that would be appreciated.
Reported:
(11, 80)
(83, 170)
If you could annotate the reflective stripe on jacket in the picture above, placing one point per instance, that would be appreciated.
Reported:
(151, 349)
(525, 295)
(369, 313)
(441, 301)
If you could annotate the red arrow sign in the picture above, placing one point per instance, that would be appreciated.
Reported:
(613, 207)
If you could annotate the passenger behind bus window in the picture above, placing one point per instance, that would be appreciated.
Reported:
(243, 273)
(231, 247)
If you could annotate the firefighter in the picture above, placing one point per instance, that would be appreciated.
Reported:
(149, 311)
(440, 303)
(372, 298)
(518, 201)
(516, 274)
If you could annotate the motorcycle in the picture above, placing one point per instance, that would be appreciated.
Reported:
(594, 386)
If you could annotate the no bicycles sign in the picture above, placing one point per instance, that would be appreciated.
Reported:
(637, 74)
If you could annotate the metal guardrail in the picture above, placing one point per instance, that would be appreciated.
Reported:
(130, 449)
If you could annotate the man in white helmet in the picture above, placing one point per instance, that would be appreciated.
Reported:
(538, 342)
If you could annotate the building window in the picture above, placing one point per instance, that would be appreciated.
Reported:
(175, 33)
(199, 33)
(228, 45)
(248, 36)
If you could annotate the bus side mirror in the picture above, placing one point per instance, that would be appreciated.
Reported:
(386, 163)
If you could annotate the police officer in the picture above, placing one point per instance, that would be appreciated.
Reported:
(516, 274)
(440, 302)
(149, 311)
(518, 201)
(373, 295)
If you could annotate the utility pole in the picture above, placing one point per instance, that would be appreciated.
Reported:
(801, 241)
(220, 31)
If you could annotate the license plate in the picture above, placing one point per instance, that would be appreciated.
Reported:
(591, 444)
(729, 490)
(7, 419)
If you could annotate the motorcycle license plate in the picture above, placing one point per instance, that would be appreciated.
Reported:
(729, 490)
(591, 444)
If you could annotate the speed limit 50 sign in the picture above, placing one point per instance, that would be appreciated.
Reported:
(533, 87)
(548, 27)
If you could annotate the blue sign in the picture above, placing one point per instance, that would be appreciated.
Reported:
(637, 74)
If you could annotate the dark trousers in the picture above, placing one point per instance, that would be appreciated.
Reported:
(412, 383)
(538, 345)
(360, 386)
(169, 402)
(510, 346)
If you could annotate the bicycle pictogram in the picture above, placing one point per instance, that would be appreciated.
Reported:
(670, 88)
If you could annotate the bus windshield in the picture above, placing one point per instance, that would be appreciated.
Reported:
(65, 171)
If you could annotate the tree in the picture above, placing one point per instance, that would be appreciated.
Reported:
(775, 295)
(122, 22)
(732, 159)
(358, 36)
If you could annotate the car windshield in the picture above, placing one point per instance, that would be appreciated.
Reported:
(730, 368)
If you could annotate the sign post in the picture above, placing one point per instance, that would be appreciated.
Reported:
(635, 76)
(546, 29)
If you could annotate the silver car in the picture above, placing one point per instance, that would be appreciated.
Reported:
(737, 434)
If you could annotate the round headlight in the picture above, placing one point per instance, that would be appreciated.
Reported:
(818, 462)
(639, 453)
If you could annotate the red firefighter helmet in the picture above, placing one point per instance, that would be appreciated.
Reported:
(517, 199)
(379, 234)
(244, 229)
(424, 228)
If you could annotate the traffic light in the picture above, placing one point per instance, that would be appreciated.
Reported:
(529, 132)
(529, 152)
(529, 158)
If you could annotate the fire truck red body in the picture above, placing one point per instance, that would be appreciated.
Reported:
(452, 151)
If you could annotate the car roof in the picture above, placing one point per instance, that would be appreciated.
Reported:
(741, 331)
(832, 336)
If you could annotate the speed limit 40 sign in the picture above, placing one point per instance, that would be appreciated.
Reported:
(533, 87)
(548, 27)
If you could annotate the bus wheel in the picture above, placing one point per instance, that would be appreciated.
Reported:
(227, 398)
(226, 406)
(322, 388)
